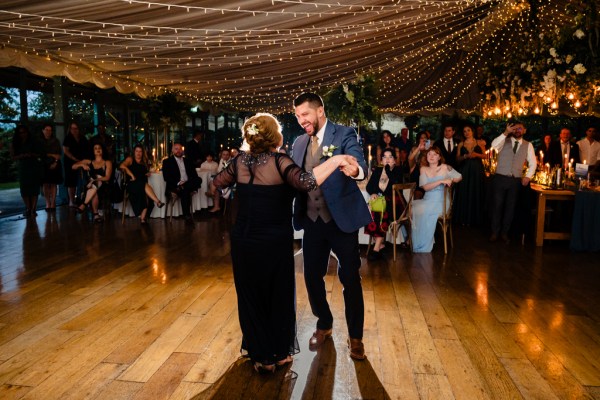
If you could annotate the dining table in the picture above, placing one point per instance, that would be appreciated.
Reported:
(543, 195)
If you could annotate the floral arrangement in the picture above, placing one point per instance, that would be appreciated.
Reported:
(554, 71)
(354, 103)
(252, 130)
(328, 151)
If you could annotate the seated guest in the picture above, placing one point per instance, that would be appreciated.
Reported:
(210, 164)
(404, 165)
(138, 188)
(100, 172)
(434, 176)
(386, 143)
(215, 194)
(380, 184)
(416, 154)
(404, 143)
(234, 152)
(181, 177)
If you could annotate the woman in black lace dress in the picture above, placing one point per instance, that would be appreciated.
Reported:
(262, 239)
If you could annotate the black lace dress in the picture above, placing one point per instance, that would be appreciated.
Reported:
(262, 251)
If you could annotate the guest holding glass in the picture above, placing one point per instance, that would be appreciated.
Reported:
(52, 167)
(27, 151)
(262, 239)
(434, 176)
(138, 188)
(468, 204)
(380, 184)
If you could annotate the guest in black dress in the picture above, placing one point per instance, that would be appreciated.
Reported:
(75, 148)
(27, 151)
(468, 200)
(99, 173)
(138, 188)
(380, 184)
(386, 142)
(52, 167)
(262, 239)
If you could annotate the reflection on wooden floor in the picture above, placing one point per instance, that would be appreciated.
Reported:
(117, 311)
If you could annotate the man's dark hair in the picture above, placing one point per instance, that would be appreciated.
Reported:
(313, 98)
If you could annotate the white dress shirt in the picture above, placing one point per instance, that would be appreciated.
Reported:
(183, 175)
(590, 152)
(499, 142)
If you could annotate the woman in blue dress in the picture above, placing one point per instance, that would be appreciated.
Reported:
(434, 176)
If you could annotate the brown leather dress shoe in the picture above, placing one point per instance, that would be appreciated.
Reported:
(318, 338)
(357, 349)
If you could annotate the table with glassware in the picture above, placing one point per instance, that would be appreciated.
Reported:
(543, 195)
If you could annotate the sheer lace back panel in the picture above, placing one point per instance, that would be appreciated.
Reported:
(266, 169)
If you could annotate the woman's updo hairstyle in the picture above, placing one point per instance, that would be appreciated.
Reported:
(262, 132)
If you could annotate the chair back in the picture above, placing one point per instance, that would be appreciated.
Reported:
(398, 196)
(446, 214)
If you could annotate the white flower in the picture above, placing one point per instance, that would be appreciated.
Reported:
(557, 61)
(549, 61)
(345, 88)
(523, 65)
(553, 52)
(328, 151)
(579, 68)
(529, 68)
(541, 35)
(569, 58)
(579, 34)
(252, 130)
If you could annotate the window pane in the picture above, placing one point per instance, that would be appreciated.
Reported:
(40, 106)
(10, 104)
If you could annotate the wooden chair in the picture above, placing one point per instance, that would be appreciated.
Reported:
(124, 182)
(445, 218)
(173, 198)
(405, 217)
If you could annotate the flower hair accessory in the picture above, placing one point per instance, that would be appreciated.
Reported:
(252, 130)
(328, 151)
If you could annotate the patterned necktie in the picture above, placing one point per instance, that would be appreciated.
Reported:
(315, 145)
(515, 146)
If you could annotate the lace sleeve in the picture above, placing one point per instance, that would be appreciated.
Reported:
(226, 177)
(295, 176)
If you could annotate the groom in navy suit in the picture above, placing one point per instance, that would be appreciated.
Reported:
(331, 217)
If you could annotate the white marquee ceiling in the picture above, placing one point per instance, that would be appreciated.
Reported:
(258, 55)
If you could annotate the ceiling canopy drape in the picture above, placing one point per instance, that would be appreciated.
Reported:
(258, 55)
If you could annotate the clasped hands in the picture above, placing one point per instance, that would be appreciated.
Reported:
(347, 164)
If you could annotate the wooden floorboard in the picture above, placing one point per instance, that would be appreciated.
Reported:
(119, 311)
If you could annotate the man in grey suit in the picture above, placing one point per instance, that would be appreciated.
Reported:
(331, 217)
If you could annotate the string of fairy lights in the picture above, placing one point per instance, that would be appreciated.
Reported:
(259, 57)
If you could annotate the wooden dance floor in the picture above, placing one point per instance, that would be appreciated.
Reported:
(117, 311)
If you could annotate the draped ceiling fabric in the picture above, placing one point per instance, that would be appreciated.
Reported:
(258, 55)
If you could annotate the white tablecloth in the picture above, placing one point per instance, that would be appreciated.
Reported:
(363, 238)
(200, 200)
(158, 184)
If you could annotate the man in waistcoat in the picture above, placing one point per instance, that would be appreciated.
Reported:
(513, 153)
(331, 217)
